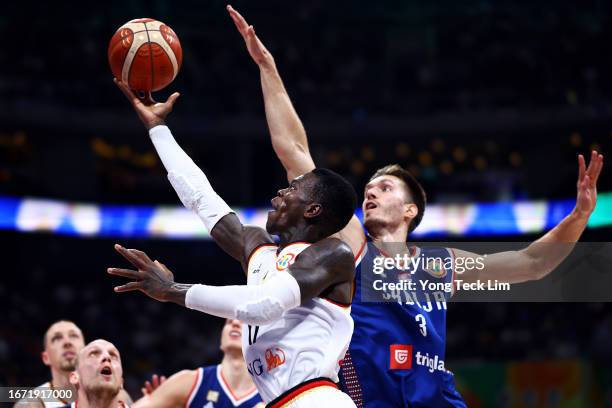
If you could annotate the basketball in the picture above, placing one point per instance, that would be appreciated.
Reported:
(145, 54)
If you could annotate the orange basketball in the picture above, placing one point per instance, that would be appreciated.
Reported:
(145, 54)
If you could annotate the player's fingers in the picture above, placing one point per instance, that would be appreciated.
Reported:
(162, 379)
(144, 391)
(237, 19)
(126, 90)
(126, 273)
(144, 258)
(130, 256)
(592, 163)
(128, 287)
(172, 98)
(598, 168)
(155, 381)
(581, 167)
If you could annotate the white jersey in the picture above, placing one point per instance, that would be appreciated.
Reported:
(306, 343)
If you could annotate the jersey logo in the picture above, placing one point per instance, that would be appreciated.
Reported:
(400, 357)
(212, 396)
(284, 261)
(274, 358)
(435, 268)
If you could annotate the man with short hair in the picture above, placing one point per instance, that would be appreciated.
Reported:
(98, 376)
(295, 306)
(61, 343)
(391, 358)
(225, 385)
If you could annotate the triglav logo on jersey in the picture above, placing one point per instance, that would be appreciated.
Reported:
(400, 357)
(274, 358)
(284, 261)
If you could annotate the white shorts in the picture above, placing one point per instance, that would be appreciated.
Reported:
(321, 396)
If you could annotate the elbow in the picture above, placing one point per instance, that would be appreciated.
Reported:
(539, 269)
(261, 312)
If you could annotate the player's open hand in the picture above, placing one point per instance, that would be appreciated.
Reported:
(151, 113)
(257, 50)
(152, 277)
(150, 386)
(587, 183)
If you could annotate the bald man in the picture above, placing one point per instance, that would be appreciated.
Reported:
(98, 376)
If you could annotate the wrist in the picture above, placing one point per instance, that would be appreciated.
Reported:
(154, 123)
(580, 215)
(176, 293)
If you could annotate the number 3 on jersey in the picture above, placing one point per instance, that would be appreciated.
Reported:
(419, 318)
(253, 334)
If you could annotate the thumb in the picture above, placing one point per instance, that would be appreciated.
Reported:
(172, 99)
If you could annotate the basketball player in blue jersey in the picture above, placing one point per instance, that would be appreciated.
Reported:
(295, 305)
(226, 385)
(397, 353)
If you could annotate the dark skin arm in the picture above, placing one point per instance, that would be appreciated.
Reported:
(324, 268)
(234, 238)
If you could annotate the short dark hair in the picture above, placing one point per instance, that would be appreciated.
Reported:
(337, 197)
(415, 190)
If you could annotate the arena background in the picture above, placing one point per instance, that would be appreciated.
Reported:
(485, 101)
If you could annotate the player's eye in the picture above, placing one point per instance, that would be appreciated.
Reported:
(56, 337)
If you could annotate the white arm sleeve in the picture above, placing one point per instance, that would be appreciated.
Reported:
(187, 179)
(255, 305)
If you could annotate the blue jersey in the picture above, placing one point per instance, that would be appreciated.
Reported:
(210, 390)
(397, 353)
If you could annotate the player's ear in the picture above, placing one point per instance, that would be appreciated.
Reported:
(45, 358)
(313, 210)
(410, 211)
(74, 378)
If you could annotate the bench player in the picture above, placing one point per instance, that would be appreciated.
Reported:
(396, 356)
(295, 306)
(226, 385)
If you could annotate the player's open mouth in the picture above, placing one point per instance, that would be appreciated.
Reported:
(235, 334)
(370, 205)
(69, 354)
(107, 372)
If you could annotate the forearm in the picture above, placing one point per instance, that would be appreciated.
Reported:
(187, 179)
(256, 304)
(546, 253)
(286, 130)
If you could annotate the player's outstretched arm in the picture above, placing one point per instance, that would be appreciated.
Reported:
(171, 393)
(190, 182)
(286, 130)
(325, 267)
(287, 133)
(541, 257)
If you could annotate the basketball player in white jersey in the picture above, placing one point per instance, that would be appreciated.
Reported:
(297, 322)
(61, 343)
(224, 385)
(98, 377)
